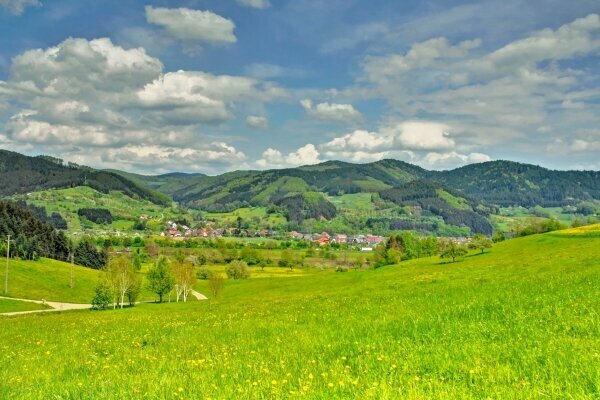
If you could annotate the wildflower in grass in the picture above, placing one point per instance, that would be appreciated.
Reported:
(330, 385)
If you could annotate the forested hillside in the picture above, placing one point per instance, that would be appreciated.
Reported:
(506, 183)
(382, 196)
(22, 174)
(30, 236)
(496, 183)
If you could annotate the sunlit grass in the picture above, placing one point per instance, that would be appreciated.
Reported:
(518, 322)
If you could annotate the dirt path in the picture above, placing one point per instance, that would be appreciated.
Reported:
(199, 296)
(56, 306)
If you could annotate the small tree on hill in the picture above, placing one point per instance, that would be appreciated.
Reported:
(122, 277)
(103, 295)
(216, 284)
(450, 249)
(160, 279)
(480, 242)
(286, 259)
(184, 279)
(237, 270)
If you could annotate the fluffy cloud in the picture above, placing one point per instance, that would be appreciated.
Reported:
(192, 25)
(306, 155)
(420, 55)
(421, 142)
(344, 113)
(496, 97)
(17, 7)
(84, 100)
(202, 158)
(452, 160)
(570, 40)
(260, 4)
(405, 136)
(254, 121)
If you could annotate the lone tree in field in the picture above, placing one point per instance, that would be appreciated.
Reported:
(480, 242)
(160, 279)
(215, 284)
(450, 249)
(122, 277)
(237, 270)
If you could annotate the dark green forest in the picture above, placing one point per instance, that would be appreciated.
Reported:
(22, 174)
(31, 237)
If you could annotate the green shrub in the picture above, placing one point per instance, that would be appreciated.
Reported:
(237, 270)
(103, 296)
(204, 273)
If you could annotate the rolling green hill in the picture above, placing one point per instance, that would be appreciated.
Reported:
(125, 210)
(499, 183)
(23, 174)
(392, 194)
(506, 183)
(50, 280)
(519, 321)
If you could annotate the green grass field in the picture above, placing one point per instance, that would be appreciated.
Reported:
(50, 280)
(8, 305)
(518, 322)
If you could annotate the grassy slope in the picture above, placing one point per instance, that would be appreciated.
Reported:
(49, 279)
(520, 321)
(7, 305)
(125, 210)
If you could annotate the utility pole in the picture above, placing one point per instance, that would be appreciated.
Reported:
(6, 270)
(72, 272)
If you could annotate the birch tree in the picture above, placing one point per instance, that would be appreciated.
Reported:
(183, 272)
(122, 277)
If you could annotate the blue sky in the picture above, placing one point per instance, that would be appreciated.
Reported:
(219, 85)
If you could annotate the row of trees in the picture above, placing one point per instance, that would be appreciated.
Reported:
(31, 237)
(122, 283)
(405, 246)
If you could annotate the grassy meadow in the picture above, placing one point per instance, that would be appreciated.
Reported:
(519, 321)
(9, 305)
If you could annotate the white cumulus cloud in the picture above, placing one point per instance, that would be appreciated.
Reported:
(452, 160)
(92, 101)
(344, 113)
(305, 155)
(255, 121)
(192, 25)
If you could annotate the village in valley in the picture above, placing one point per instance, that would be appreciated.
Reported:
(363, 242)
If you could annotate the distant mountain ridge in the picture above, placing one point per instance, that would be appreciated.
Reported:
(23, 174)
(499, 183)
(415, 198)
